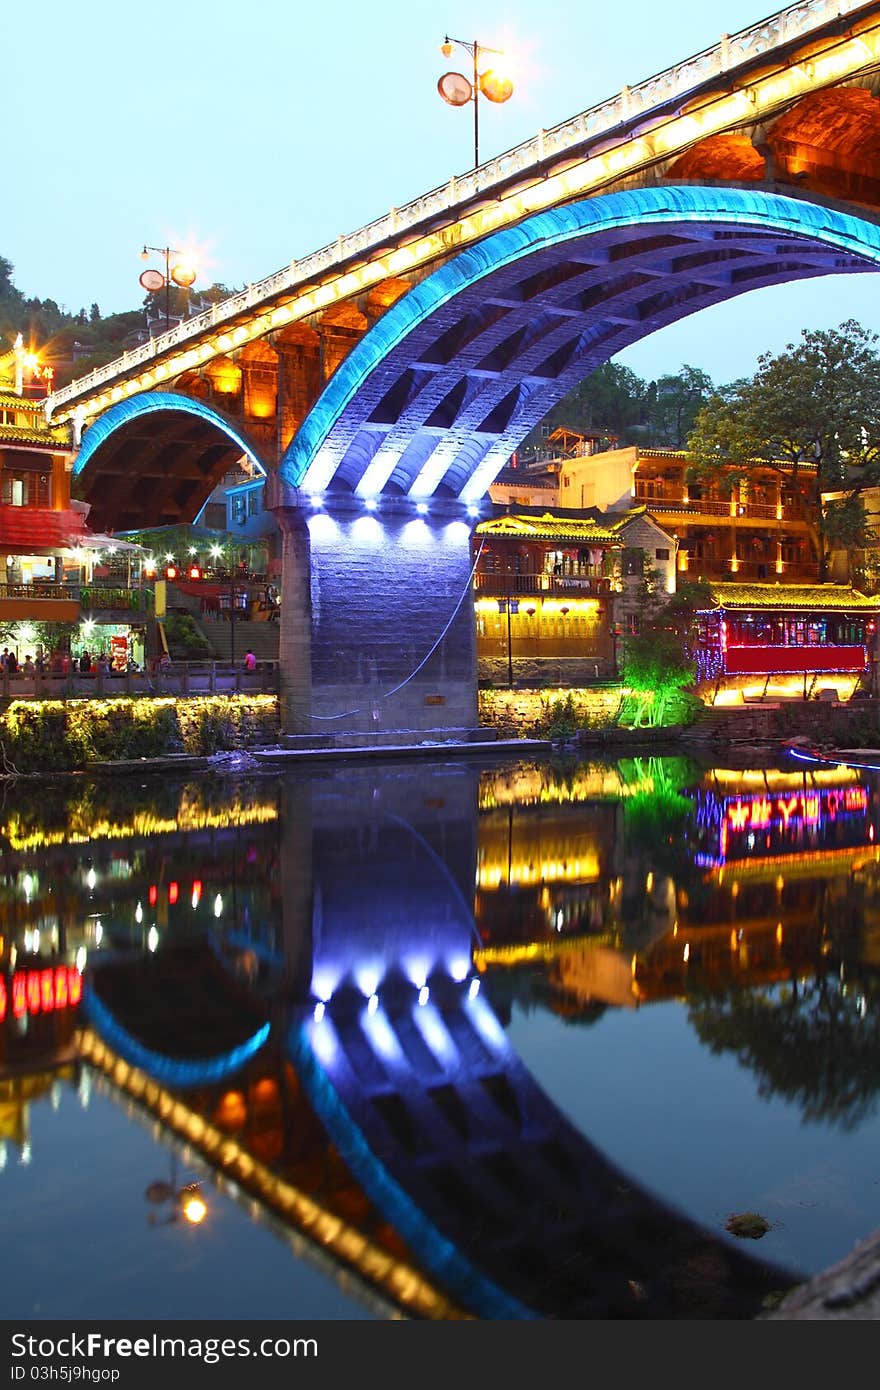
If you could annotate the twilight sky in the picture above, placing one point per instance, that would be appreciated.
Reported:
(257, 132)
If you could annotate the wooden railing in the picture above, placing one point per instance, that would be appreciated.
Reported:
(89, 596)
(181, 678)
(512, 585)
(792, 572)
(695, 506)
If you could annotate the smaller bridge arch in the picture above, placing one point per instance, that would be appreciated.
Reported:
(155, 458)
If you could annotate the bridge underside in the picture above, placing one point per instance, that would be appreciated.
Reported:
(156, 468)
(436, 397)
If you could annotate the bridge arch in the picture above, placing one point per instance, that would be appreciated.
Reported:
(155, 458)
(438, 394)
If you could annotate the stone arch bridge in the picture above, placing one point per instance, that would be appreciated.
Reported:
(383, 381)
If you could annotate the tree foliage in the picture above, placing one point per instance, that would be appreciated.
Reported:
(813, 1042)
(625, 409)
(810, 414)
(74, 342)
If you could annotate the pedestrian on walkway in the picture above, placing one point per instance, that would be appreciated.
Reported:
(250, 661)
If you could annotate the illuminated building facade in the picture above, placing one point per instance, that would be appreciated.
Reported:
(772, 640)
(550, 589)
(56, 570)
(773, 630)
(752, 532)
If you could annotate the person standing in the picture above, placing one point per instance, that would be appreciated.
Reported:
(250, 661)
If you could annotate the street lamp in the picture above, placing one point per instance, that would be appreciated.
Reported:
(181, 273)
(172, 1202)
(227, 553)
(458, 90)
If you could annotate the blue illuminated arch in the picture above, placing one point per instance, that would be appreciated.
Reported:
(302, 466)
(441, 1257)
(147, 403)
(171, 1071)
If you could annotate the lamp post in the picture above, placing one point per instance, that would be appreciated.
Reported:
(458, 90)
(180, 273)
(172, 1202)
(227, 553)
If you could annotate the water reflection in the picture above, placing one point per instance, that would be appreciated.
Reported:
(307, 983)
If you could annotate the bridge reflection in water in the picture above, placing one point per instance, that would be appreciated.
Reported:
(333, 1047)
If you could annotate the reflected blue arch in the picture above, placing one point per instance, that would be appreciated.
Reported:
(171, 1071)
(439, 1255)
(556, 226)
(147, 403)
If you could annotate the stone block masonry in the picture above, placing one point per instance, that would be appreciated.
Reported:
(391, 643)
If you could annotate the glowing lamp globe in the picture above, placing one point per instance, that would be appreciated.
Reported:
(183, 275)
(495, 86)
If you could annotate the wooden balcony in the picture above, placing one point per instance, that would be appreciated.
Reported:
(737, 513)
(45, 601)
(752, 571)
(514, 585)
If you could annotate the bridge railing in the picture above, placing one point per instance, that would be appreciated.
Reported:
(623, 108)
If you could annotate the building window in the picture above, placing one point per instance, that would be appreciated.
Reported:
(661, 554)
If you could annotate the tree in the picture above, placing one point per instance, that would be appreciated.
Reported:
(811, 414)
(677, 399)
(659, 666)
(612, 399)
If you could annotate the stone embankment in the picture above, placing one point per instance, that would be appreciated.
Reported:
(848, 1291)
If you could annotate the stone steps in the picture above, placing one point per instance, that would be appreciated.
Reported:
(262, 638)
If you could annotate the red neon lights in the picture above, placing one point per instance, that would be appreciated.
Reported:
(153, 895)
(779, 661)
(172, 893)
(196, 892)
(805, 808)
(42, 991)
(32, 992)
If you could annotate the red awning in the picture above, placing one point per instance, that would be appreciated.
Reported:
(38, 528)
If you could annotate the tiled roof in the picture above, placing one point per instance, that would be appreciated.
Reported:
(10, 400)
(24, 434)
(808, 597)
(549, 527)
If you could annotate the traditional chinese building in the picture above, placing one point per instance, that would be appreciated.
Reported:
(773, 640)
(54, 569)
(38, 523)
(747, 532)
(550, 590)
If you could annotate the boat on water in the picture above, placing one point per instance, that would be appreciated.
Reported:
(802, 750)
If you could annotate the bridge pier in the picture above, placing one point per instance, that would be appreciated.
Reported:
(377, 623)
(294, 636)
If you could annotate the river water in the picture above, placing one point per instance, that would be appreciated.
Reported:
(500, 1039)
